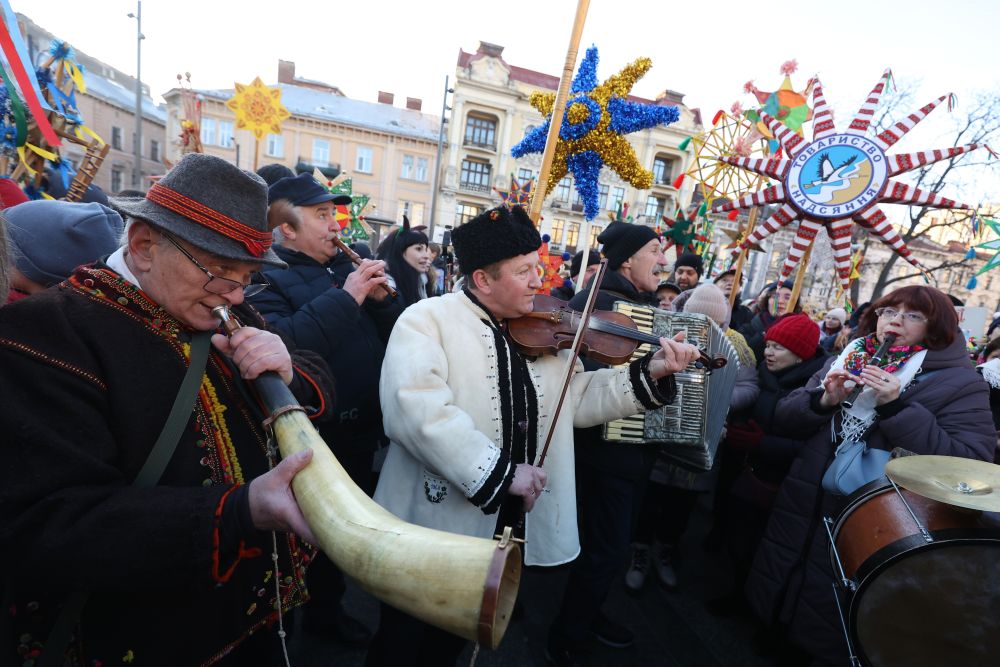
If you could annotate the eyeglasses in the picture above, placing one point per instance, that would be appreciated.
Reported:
(217, 285)
(910, 317)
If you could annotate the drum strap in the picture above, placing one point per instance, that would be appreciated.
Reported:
(150, 473)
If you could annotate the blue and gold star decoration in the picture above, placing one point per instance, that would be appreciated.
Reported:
(994, 245)
(592, 133)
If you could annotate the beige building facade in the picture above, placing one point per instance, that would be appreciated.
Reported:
(108, 108)
(491, 113)
(386, 149)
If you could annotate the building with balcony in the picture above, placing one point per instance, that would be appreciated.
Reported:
(387, 150)
(108, 108)
(491, 113)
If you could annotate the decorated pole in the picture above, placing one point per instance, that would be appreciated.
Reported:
(800, 278)
(562, 94)
(741, 259)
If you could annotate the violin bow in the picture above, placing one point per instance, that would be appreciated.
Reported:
(581, 328)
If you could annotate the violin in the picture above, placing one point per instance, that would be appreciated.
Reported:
(611, 338)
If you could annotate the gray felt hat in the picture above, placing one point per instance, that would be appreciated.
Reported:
(212, 205)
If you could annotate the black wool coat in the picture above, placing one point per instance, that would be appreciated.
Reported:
(306, 304)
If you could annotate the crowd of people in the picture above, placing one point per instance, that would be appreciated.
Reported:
(144, 510)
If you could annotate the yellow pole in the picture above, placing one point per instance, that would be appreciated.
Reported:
(541, 187)
(800, 278)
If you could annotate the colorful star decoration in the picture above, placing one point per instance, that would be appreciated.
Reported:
(680, 233)
(352, 223)
(592, 133)
(839, 178)
(786, 104)
(258, 108)
(519, 193)
(549, 266)
(994, 245)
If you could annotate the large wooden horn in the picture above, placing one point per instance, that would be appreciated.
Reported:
(465, 585)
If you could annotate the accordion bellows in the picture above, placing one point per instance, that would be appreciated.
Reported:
(689, 429)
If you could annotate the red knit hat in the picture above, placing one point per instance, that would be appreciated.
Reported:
(796, 333)
(11, 193)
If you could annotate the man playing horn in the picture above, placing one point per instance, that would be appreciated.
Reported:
(155, 520)
(467, 416)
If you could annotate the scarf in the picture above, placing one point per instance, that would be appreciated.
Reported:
(861, 355)
(904, 361)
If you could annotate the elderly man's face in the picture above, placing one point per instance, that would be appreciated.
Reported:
(178, 285)
(725, 283)
(314, 237)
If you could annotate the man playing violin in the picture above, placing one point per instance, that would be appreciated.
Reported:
(610, 477)
(467, 412)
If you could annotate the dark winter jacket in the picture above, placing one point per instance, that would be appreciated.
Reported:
(741, 317)
(630, 461)
(305, 303)
(790, 584)
(755, 329)
(776, 452)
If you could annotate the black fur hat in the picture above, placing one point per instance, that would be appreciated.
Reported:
(498, 234)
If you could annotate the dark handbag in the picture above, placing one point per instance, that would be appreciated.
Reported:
(753, 490)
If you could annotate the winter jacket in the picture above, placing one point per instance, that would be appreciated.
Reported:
(630, 461)
(305, 304)
(754, 331)
(790, 584)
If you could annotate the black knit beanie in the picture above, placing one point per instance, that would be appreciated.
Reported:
(622, 240)
(593, 257)
(493, 236)
(691, 260)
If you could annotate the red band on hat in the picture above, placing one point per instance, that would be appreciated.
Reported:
(255, 241)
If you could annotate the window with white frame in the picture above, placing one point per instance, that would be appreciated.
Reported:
(321, 152)
(154, 150)
(406, 171)
(617, 197)
(558, 227)
(524, 175)
(602, 196)
(116, 180)
(562, 189)
(421, 171)
(226, 133)
(654, 207)
(208, 131)
(364, 160)
(276, 145)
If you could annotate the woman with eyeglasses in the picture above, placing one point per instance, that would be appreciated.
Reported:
(926, 397)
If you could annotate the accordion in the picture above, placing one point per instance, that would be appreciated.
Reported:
(689, 429)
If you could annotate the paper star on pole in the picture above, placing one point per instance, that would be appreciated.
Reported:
(592, 133)
(840, 178)
(258, 108)
(519, 193)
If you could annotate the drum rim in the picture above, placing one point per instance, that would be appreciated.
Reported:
(866, 575)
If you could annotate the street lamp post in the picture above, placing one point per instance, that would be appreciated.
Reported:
(237, 145)
(137, 169)
(437, 160)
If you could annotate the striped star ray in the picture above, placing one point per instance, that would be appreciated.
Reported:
(888, 137)
(779, 219)
(840, 240)
(804, 237)
(823, 125)
(901, 162)
(867, 111)
(790, 141)
(901, 193)
(876, 221)
(766, 196)
(775, 168)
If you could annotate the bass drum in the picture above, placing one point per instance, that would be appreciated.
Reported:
(917, 602)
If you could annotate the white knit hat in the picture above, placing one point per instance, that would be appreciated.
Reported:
(709, 300)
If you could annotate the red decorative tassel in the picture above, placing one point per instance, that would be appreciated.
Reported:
(733, 214)
(678, 181)
(718, 115)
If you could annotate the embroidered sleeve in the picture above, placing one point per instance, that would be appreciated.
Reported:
(651, 393)
(232, 523)
(491, 494)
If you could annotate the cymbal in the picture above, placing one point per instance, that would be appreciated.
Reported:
(949, 479)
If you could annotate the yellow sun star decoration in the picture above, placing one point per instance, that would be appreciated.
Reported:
(258, 108)
(614, 148)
